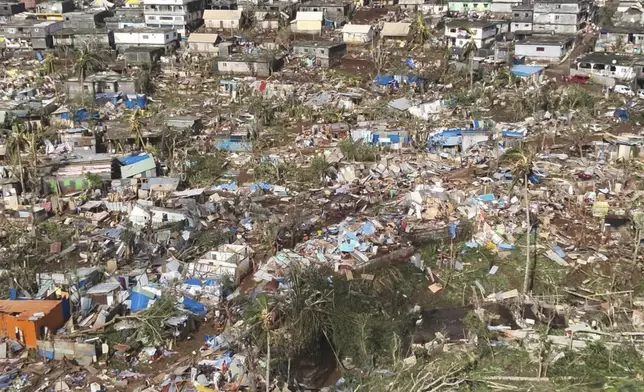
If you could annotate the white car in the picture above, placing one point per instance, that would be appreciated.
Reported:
(621, 89)
(640, 94)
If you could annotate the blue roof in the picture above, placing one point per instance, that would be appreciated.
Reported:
(131, 160)
(526, 70)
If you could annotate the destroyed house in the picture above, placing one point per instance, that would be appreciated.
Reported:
(107, 293)
(247, 64)
(69, 176)
(142, 165)
(27, 321)
(90, 19)
(10, 9)
(228, 260)
(125, 18)
(631, 38)
(141, 215)
(104, 83)
(185, 122)
(77, 38)
(143, 55)
(610, 65)
(30, 33)
(321, 54)
(335, 11)
(80, 277)
(78, 139)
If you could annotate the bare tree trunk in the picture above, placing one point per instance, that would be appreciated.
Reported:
(638, 239)
(268, 361)
(22, 179)
(526, 278)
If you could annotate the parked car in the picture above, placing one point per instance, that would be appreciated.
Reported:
(621, 89)
(576, 79)
(640, 94)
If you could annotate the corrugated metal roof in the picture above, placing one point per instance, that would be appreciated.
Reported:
(222, 14)
(395, 29)
(27, 308)
(104, 288)
(203, 38)
(309, 16)
(356, 29)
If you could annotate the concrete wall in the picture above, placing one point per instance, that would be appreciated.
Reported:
(552, 52)
(556, 28)
(203, 47)
(524, 26)
(243, 67)
(553, 8)
(309, 26)
(357, 38)
(221, 24)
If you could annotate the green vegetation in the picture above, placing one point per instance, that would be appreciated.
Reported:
(358, 151)
(204, 170)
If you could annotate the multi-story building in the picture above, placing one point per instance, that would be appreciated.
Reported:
(30, 33)
(148, 37)
(459, 32)
(467, 6)
(503, 6)
(522, 16)
(126, 17)
(184, 16)
(560, 16)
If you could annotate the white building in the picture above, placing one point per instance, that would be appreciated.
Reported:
(355, 33)
(182, 15)
(460, 32)
(223, 19)
(161, 38)
(308, 22)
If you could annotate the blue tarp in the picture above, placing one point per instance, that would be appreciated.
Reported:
(261, 185)
(526, 70)
(411, 63)
(452, 230)
(621, 114)
(132, 159)
(194, 306)
(230, 187)
(193, 282)
(486, 197)
(138, 301)
(384, 80)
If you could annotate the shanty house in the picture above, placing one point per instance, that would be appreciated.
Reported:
(549, 49)
(246, 64)
(30, 320)
(322, 54)
(396, 32)
(142, 165)
(223, 19)
(309, 22)
(204, 43)
(357, 34)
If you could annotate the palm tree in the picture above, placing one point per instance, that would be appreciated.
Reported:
(136, 126)
(420, 31)
(17, 141)
(521, 165)
(86, 61)
(128, 237)
(468, 50)
(260, 316)
(48, 64)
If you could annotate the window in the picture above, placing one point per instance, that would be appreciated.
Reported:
(322, 51)
(152, 17)
(476, 5)
(541, 49)
(167, 36)
(516, 15)
(485, 5)
(526, 15)
(145, 36)
(516, 25)
(558, 6)
(556, 17)
(452, 30)
(6, 8)
(526, 25)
